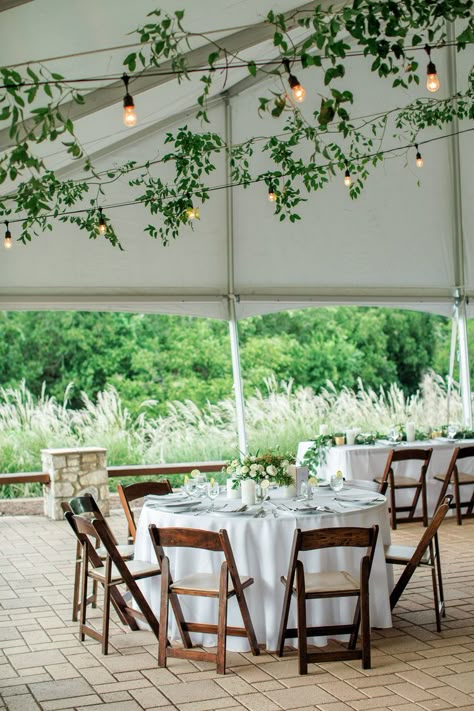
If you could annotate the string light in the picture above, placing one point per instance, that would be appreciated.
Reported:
(129, 114)
(102, 227)
(7, 242)
(419, 159)
(347, 177)
(432, 80)
(191, 212)
(272, 196)
(299, 92)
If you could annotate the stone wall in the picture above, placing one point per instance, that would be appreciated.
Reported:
(75, 472)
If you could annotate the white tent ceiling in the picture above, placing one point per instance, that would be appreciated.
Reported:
(399, 244)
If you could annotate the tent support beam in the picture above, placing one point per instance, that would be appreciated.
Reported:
(464, 373)
(231, 298)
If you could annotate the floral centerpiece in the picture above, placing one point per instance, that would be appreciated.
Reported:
(264, 469)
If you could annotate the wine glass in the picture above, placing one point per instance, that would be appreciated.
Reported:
(190, 487)
(305, 490)
(201, 485)
(452, 429)
(212, 492)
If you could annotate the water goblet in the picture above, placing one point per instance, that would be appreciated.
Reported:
(189, 487)
(336, 482)
(213, 490)
(452, 429)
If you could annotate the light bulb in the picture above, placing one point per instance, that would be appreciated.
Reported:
(272, 197)
(419, 160)
(102, 227)
(192, 213)
(7, 242)
(347, 178)
(432, 80)
(129, 114)
(299, 92)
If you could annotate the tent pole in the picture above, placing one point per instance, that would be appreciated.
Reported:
(464, 374)
(236, 371)
(452, 356)
(232, 298)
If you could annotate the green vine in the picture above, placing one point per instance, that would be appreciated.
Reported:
(388, 33)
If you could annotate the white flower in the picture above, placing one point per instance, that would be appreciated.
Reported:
(195, 472)
(264, 483)
(253, 473)
(254, 467)
(271, 470)
(253, 459)
(230, 470)
(235, 462)
(260, 467)
(244, 470)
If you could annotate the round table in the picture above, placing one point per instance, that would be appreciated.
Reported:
(262, 548)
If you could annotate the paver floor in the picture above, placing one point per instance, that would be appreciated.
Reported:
(43, 665)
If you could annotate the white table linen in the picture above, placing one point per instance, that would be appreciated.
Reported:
(368, 461)
(262, 550)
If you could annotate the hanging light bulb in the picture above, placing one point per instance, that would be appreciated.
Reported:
(129, 114)
(432, 80)
(191, 212)
(7, 242)
(102, 227)
(298, 91)
(347, 177)
(272, 196)
(419, 159)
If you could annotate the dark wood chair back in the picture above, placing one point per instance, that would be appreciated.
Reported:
(391, 479)
(456, 479)
(136, 491)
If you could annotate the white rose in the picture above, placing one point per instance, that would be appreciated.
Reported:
(235, 462)
(195, 472)
(244, 470)
(254, 467)
(230, 470)
(253, 473)
(253, 459)
(271, 470)
(264, 483)
(260, 467)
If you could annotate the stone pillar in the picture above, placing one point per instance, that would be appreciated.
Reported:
(75, 472)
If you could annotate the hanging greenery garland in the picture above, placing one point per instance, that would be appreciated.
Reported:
(398, 38)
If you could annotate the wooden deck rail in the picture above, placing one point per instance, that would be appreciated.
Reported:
(123, 471)
(164, 469)
(25, 478)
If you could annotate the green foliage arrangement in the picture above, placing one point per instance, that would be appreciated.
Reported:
(388, 33)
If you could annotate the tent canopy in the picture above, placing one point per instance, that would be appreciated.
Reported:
(401, 244)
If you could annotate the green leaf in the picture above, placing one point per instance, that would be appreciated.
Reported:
(252, 67)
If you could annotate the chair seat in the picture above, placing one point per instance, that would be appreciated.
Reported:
(403, 554)
(205, 582)
(125, 550)
(330, 581)
(137, 568)
(402, 482)
(463, 478)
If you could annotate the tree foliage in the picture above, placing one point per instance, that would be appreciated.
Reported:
(163, 358)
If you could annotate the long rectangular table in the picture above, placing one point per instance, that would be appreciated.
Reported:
(368, 461)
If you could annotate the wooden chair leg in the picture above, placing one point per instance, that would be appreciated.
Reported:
(457, 498)
(436, 599)
(439, 575)
(164, 611)
(393, 505)
(301, 620)
(83, 605)
(222, 619)
(77, 582)
(247, 620)
(355, 627)
(284, 616)
(364, 613)
(106, 610)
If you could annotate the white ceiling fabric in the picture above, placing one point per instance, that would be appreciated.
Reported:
(394, 246)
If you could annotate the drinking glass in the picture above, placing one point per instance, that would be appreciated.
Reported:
(336, 482)
(201, 486)
(212, 492)
(305, 490)
(452, 429)
(190, 487)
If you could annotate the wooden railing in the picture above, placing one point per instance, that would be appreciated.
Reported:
(123, 471)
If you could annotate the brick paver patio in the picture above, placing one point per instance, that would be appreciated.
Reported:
(44, 666)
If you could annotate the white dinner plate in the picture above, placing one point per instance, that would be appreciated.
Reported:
(175, 505)
(225, 512)
(359, 497)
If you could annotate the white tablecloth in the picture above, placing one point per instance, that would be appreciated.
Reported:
(262, 549)
(368, 461)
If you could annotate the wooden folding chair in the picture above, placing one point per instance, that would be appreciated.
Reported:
(132, 492)
(111, 573)
(222, 586)
(397, 483)
(303, 586)
(456, 479)
(87, 505)
(424, 555)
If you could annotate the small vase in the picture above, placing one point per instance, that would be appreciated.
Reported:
(258, 492)
(288, 492)
(339, 441)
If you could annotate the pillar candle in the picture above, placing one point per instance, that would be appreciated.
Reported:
(410, 430)
(248, 492)
(323, 429)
